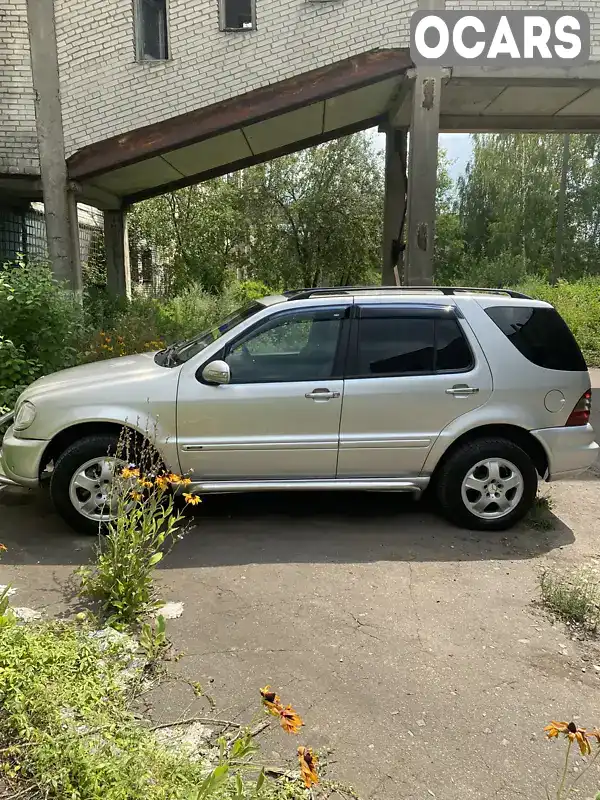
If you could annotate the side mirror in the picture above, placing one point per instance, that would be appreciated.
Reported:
(217, 372)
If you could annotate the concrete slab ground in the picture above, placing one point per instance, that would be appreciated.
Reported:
(414, 651)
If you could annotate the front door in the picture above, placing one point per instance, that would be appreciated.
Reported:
(279, 417)
(411, 372)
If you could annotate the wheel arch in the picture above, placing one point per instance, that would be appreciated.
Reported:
(68, 436)
(513, 433)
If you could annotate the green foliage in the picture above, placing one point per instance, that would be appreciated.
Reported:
(40, 316)
(66, 729)
(153, 639)
(507, 205)
(122, 577)
(573, 595)
(41, 328)
(146, 525)
(311, 218)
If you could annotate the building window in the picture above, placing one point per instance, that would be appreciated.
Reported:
(237, 15)
(151, 30)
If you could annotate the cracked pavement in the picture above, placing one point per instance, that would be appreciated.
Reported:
(414, 651)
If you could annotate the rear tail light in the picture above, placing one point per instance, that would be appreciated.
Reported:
(581, 413)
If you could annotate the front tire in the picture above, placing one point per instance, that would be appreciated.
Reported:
(486, 485)
(81, 481)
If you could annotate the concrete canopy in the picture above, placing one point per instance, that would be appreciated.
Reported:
(350, 95)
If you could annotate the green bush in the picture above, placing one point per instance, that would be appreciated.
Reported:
(41, 327)
(38, 314)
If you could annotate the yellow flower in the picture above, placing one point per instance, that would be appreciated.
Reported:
(290, 721)
(191, 499)
(145, 483)
(130, 472)
(136, 495)
(571, 732)
(185, 481)
(271, 701)
(308, 766)
(172, 478)
(3, 548)
(162, 482)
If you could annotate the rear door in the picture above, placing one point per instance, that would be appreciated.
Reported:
(411, 371)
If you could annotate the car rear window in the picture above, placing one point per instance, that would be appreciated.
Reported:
(541, 335)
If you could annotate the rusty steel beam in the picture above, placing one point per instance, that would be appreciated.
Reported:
(255, 106)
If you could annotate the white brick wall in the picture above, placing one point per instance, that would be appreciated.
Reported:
(18, 140)
(105, 92)
(592, 7)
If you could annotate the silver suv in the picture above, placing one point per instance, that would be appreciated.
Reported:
(475, 393)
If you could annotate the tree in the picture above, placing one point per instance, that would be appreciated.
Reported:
(308, 219)
(508, 203)
(315, 217)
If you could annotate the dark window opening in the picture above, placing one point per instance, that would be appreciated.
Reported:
(237, 15)
(151, 30)
(541, 335)
(452, 351)
(395, 346)
(410, 345)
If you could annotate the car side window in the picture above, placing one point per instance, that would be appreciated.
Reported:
(392, 343)
(395, 346)
(295, 346)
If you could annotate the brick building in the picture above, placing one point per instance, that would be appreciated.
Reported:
(110, 102)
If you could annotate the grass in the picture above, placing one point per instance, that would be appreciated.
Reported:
(573, 596)
(539, 517)
(67, 732)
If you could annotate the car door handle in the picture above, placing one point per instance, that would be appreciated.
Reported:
(322, 394)
(462, 390)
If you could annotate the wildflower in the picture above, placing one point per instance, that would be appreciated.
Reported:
(130, 472)
(136, 495)
(185, 481)
(162, 482)
(308, 766)
(572, 732)
(145, 483)
(191, 499)
(172, 478)
(290, 721)
(3, 548)
(271, 701)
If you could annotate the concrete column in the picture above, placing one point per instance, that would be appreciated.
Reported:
(116, 248)
(60, 208)
(395, 207)
(422, 180)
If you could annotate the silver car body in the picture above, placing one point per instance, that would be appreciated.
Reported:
(383, 433)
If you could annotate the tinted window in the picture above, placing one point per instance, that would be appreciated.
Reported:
(453, 353)
(395, 346)
(541, 335)
(299, 346)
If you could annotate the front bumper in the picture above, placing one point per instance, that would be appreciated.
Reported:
(20, 460)
(570, 451)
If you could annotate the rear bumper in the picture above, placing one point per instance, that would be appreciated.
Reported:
(20, 460)
(570, 451)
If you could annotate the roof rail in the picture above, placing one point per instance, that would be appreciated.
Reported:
(301, 294)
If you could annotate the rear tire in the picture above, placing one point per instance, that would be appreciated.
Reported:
(67, 466)
(486, 485)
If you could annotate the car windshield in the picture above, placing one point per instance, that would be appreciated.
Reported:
(183, 351)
